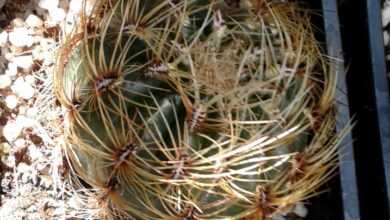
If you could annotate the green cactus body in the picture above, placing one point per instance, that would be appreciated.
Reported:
(197, 109)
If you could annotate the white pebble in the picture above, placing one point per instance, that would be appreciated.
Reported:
(41, 166)
(9, 160)
(3, 38)
(75, 202)
(9, 55)
(34, 153)
(28, 92)
(48, 4)
(18, 84)
(21, 37)
(12, 130)
(385, 16)
(57, 14)
(25, 121)
(20, 143)
(18, 23)
(29, 79)
(22, 110)
(23, 61)
(23, 167)
(75, 6)
(5, 81)
(300, 209)
(11, 101)
(34, 21)
(23, 89)
(31, 112)
(12, 70)
(386, 37)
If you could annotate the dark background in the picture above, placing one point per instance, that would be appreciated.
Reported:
(368, 96)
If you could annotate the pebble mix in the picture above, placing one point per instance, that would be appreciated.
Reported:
(33, 183)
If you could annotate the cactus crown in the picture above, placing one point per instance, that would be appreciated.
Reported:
(197, 109)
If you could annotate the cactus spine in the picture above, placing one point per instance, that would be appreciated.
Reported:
(197, 109)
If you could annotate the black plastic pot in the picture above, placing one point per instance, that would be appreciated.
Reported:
(341, 201)
(364, 177)
(353, 33)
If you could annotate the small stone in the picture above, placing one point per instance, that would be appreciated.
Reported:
(75, 6)
(9, 161)
(20, 143)
(22, 88)
(19, 82)
(41, 166)
(35, 154)
(30, 79)
(64, 4)
(32, 112)
(34, 21)
(21, 37)
(5, 81)
(3, 38)
(5, 147)
(39, 34)
(11, 101)
(25, 121)
(12, 130)
(35, 139)
(22, 110)
(8, 55)
(300, 209)
(12, 70)
(48, 4)
(385, 16)
(57, 14)
(24, 61)
(15, 50)
(23, 167)
(75, 203)
(28, 92)
(18, 23)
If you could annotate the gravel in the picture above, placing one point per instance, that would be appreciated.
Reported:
(34, 179)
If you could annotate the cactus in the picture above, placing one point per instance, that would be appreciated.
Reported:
(197, 109)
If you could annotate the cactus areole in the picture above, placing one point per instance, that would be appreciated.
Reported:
(196, 109)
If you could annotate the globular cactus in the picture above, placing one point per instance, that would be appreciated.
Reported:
(197, 109)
